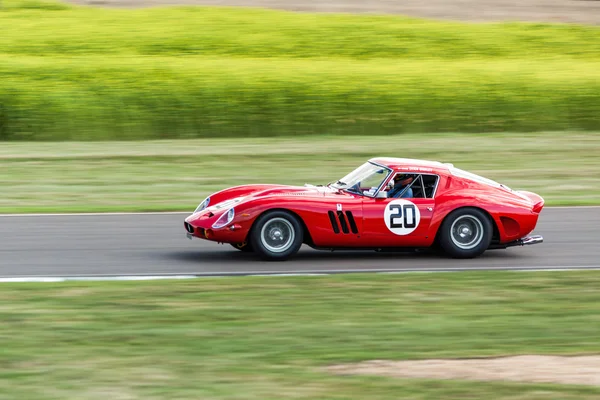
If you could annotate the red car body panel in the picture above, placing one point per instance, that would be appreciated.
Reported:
(514, 213)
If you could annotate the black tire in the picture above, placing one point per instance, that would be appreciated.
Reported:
(272, 228)
(244, 247)
(466, 233)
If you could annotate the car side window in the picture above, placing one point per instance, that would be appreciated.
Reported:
(422, 186)
(403, 185)
(417, 188)
(430, 183)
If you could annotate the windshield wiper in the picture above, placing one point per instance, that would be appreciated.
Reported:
(341, 183)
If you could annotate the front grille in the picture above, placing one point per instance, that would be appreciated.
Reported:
(189, 227)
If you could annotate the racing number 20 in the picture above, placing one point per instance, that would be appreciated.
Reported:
(405, 213)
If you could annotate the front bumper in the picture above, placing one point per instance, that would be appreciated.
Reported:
(233, 233)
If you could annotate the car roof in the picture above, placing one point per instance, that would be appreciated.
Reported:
(405, 163)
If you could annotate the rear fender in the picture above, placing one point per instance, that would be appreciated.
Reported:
(537, 201)
(437, 222)
(501, 209)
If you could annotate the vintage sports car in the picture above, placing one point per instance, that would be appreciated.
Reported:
(384, 204)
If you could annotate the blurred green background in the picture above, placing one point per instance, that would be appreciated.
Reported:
(273, 96)
(73, 73)
(153, 109)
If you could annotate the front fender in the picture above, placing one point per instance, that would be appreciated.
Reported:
(238, 191)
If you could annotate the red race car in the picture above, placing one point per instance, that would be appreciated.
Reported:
(384, 204)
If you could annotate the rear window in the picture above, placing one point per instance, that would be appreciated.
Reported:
(480, 179)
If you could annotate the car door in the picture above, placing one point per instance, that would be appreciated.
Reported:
(401, 222)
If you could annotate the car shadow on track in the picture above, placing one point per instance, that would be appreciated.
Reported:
(310, 256)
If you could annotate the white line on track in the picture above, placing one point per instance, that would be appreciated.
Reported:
(50, 279)
(190, 212)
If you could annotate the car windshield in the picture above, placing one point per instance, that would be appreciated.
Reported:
(365, 179)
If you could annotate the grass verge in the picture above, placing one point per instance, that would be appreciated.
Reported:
(78, 73)
(176, 175)
(266, 338)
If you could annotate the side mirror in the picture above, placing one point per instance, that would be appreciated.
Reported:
(382, 195)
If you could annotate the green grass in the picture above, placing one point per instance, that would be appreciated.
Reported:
(93, 98)
(177, 175)
(267, 338)
(59, 29)
(77, 73)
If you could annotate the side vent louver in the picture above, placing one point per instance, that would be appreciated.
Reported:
(351, 221)
(343, 221)
(339, 216)
(334, 224)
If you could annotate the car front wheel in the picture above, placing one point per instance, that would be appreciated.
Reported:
(276, 235)
(466, 233)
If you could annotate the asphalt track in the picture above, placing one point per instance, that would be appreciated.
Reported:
(155, 244)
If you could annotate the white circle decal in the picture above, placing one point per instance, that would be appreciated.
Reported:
(402, 216)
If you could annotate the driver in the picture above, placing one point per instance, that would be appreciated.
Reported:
(400, 182)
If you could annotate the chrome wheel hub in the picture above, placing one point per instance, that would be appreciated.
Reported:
(277, 235)
(466, 232)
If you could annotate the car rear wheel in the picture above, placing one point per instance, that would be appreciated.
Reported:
(276, 235)
(466, 233)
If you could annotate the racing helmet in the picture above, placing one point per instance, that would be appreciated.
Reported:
(403, 179)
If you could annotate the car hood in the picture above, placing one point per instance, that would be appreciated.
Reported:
(233, 196)
(250, 192)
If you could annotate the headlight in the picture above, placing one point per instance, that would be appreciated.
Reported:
(203, 205)
(224, 219)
